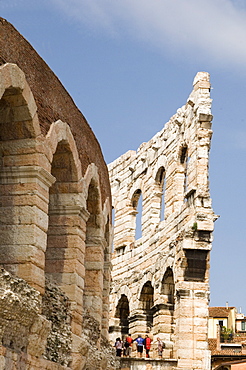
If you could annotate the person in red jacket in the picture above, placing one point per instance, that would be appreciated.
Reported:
(129, 341)
(147, 344)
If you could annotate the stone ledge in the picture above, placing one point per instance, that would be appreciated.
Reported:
(147, 364)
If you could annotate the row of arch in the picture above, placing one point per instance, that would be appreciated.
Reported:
(146, 304)
(154, 200)
(55, 224)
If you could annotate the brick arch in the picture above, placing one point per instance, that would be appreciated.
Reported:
(18, 108)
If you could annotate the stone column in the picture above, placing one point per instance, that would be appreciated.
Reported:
(65, 252)
(191, 346)
(163, 324)
(94, 265)
(24, 222)
(105, 299)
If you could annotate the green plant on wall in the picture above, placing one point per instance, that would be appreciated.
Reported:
(225, 334)
(194, 226)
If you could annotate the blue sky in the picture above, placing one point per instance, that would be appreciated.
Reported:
(129, 65)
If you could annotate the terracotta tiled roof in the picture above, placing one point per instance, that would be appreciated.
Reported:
(212, 344)
(219, 311)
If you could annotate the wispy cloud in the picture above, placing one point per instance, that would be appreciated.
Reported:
(215, 29)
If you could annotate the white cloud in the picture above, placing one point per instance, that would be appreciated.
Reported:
(214, 29)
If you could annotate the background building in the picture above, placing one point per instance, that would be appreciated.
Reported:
(227, 338)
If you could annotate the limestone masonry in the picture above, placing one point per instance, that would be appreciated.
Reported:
(160, 279)
(56, 309)
(55, 222)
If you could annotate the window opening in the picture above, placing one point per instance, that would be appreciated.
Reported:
(186, 182)
(137, 201)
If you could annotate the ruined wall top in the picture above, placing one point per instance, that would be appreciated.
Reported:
(176, 159)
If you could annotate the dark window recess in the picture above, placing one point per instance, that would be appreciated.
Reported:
(122, 313)
(196, 264)
(203, 236)
(183, 154)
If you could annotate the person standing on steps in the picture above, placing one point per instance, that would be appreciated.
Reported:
(160, 347)
(129, 340)
(140, 346)
(147, 344)
(118, 346)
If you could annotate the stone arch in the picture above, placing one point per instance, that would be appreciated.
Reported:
(165, 303)
(138, 185)
(146, 304)
(66, 218)
(107, 229)
(21, 175)
(147, 277)
(146, 295)
(161, 162)
(94, 247)
(60, 133)
(18, 110)
(126, 291)
(64, 197)
(168, 287)
(167, 263)
(181, 175)
(137, 208)
(122, 310)
(160, 188)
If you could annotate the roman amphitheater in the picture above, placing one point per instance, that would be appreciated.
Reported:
(59, 308)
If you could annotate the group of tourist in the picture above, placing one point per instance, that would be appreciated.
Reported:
(125, 347)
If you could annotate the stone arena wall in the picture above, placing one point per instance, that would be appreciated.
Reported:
(160, 279)
(55, 222)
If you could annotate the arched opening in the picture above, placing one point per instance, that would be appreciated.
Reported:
(122, 313)
(137, 204)
(106, 278)
(15, 118)
(64, 251)
(164, 314)
(146, 303)
(184, 160)
(161, 183)
(23, 219)
(113, 220)
(167, 287)
(94, 255)
(58, 237)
